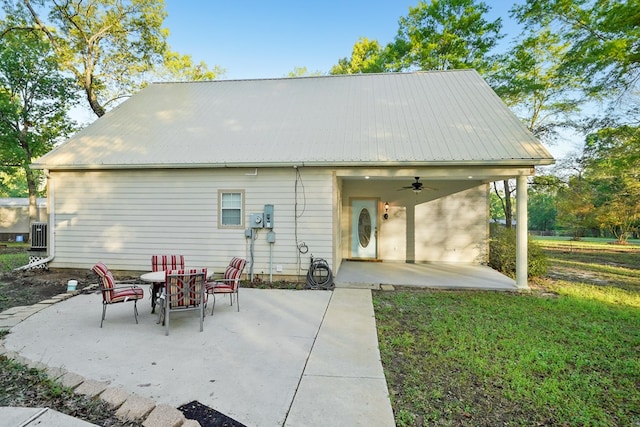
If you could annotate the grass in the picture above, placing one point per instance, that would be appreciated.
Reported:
(568, 354)
(565, 354)
(14, 256)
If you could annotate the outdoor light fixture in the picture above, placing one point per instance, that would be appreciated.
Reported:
(386, 210)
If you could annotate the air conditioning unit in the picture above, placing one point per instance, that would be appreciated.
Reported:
(39, 235)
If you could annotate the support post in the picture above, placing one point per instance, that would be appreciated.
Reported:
(521, 233)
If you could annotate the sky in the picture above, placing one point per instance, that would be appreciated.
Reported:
(258, 39)
(261, 39)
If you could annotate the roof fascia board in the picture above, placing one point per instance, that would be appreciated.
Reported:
(498, 165)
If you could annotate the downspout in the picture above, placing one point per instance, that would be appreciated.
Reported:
(51, 240)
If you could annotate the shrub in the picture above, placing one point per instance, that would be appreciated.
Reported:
(502, 254)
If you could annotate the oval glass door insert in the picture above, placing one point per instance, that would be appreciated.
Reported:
(364, 227)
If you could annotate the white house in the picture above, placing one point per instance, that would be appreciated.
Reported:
(188, 168)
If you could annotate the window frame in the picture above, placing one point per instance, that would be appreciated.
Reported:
(220, 209)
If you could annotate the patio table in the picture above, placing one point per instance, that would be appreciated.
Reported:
(157, 278)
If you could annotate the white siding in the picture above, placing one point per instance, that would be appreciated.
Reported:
(124, 217)
(14, 215)
(453, 228)
(448, 223)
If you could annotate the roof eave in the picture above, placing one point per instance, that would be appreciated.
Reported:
(404, 164)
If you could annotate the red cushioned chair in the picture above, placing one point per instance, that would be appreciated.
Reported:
(229, 283)
(163, 263)
(184, 290)
(115, 292)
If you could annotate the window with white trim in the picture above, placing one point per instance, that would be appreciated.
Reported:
(231, 204)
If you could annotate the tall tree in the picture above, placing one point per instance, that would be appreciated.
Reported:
(576, 210)
(530, 80)
(107, 45)
(603, 37)
(34, 101)
(444, 34)
(612, 162)
(366, 57)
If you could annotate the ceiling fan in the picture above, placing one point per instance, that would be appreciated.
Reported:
(416, 186)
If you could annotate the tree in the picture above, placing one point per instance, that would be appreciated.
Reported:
(542, 202)
(366, 57)
(13, 183)
(505, 196)
(107, 45)
(603, 39)
(444, 34)
(529, 79)
(34, 101)
(177, 67)
(302, 72)
(612, 163)
(576, 210)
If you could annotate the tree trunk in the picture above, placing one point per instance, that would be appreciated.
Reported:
(508, 210)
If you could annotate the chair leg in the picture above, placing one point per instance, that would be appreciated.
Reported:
(135, 310)
(201, 316)
(166, 320)
(213, 306)
(104, 311)
(238, 300)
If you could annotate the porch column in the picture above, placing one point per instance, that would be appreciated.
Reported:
(521, 232)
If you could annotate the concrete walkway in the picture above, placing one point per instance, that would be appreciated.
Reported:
(288, 358)
(371, 275)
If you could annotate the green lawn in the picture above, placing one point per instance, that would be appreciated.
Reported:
(568, 353)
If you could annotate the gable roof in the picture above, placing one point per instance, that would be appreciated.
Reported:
(420, 119)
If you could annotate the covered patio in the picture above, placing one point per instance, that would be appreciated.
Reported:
(371, 275)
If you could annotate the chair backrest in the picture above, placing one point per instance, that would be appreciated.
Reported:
(108, 282)
(232, 277)
(238, 263)
(166, 262)
(185, 288)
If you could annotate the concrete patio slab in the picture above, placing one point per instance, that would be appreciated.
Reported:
(371, 275)
(248, 365)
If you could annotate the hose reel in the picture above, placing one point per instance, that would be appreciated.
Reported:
(319, 275)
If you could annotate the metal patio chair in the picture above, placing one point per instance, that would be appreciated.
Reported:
(114, 292)
(184, 290)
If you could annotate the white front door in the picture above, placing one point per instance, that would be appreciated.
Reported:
(364, 228)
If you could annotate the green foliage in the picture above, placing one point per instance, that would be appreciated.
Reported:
(502, 254)
(575, 207)
(443, 35)
(13, 183)
(303, 72)
(602, 36)
(181, 68)
(612, 171)
(107, 45)
(367, 57)
(529, 79)
(35, 99)
(541, 207)
(435, 35)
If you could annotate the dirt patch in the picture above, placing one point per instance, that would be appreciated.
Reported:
(20, 288)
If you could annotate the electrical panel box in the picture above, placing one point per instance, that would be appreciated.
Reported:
(271, 237)
(268, 216)
(256, 220)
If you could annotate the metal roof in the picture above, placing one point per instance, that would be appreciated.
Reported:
(390, 119)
